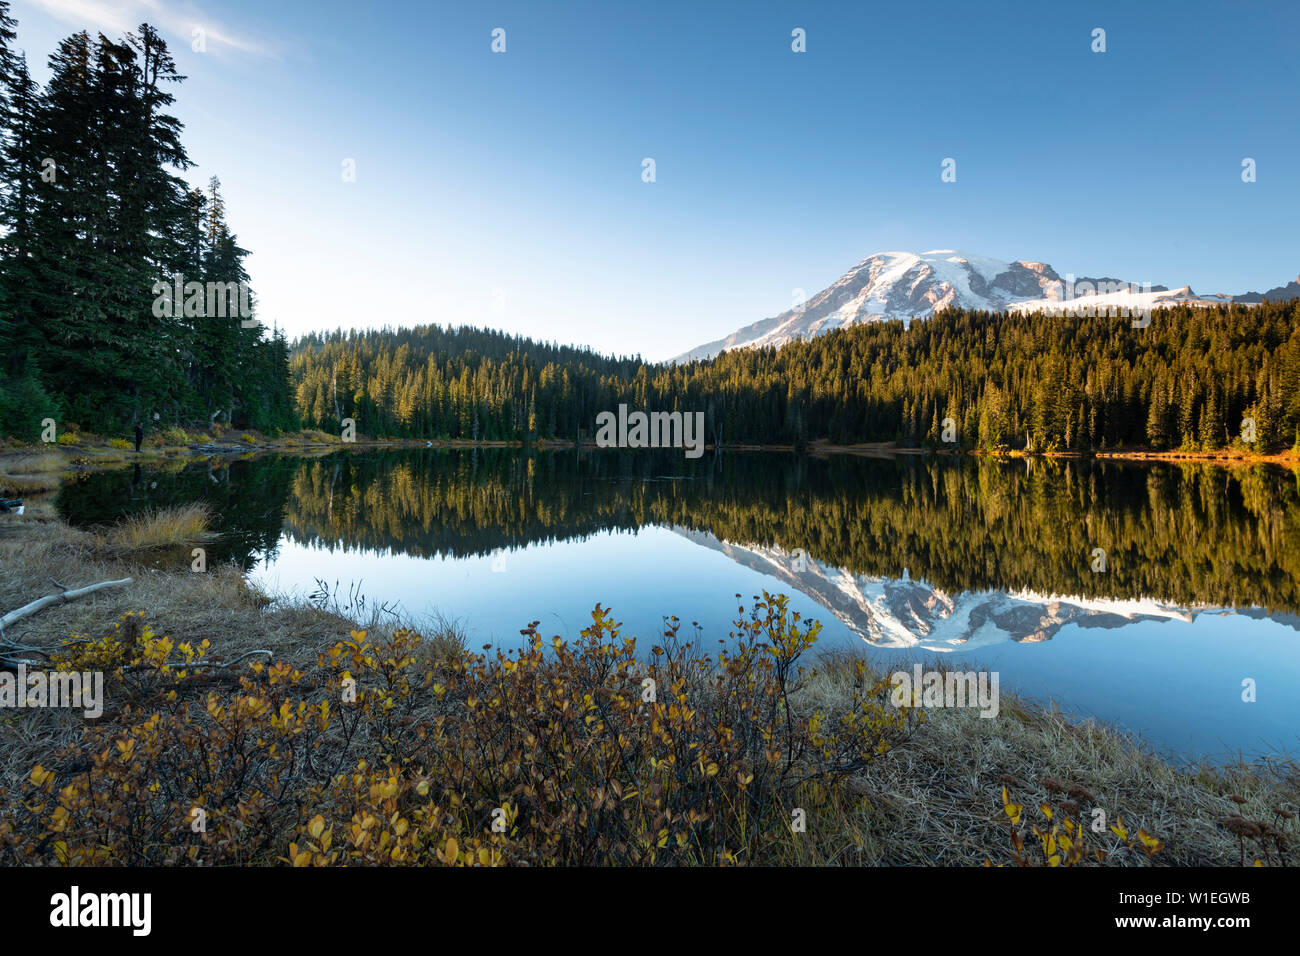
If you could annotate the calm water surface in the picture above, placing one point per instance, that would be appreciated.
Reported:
(909, 558)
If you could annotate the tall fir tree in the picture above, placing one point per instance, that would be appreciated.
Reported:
(96, 224)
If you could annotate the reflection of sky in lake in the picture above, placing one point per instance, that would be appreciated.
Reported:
(1177, 683)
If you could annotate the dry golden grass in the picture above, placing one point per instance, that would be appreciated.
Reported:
(157, 528)
(937, 800)
(316, 435)
(218, 604)
(30, 472)
(445, 638)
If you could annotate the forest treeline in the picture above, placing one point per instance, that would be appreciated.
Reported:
(1195, 378)
(462, 383)
(93, 216)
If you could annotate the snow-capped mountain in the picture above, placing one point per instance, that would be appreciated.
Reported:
(904, 285)
(1126, 301)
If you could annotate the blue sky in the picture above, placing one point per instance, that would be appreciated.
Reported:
(505, 189)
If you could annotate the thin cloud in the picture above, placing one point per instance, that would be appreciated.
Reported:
(177, 19)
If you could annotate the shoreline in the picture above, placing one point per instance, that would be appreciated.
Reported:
(98, 454)
(933, 800)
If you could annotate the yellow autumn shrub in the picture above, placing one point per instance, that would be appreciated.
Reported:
(581, 752)
(1067, 842)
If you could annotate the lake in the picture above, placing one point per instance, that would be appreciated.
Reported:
(1147, 595)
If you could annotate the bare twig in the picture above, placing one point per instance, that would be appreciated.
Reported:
(224, 664)
(190, 665)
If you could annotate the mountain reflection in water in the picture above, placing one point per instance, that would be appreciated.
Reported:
(968, 558)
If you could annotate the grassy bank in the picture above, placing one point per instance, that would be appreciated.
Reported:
(741, 759)
(34, 467)
(77, 450)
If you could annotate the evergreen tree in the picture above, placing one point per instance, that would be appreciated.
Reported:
(94, 221)
(1158, 430)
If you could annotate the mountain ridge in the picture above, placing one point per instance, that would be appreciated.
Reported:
(904, 285)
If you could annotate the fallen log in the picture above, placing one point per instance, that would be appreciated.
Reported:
(65, 595)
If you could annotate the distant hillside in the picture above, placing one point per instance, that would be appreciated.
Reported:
(961, 379)
(444, 342)
(462, 383)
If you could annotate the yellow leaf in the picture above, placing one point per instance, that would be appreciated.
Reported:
(1012, 810)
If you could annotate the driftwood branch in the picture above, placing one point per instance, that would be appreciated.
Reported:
(9, 648)
(41, 603)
